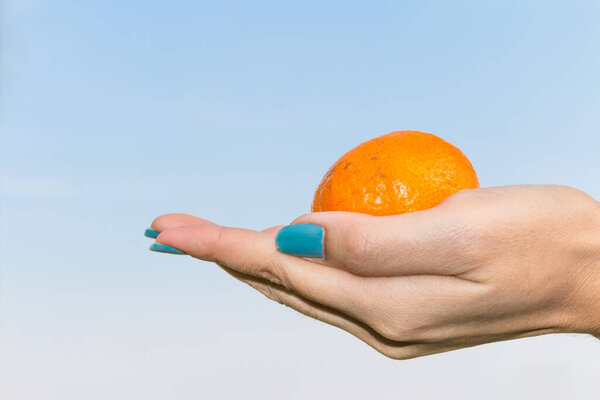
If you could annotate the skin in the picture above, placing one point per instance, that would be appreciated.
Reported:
(483, 266)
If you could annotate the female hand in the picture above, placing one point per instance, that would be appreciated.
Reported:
(485, 265)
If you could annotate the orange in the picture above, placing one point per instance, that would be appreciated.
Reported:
(400, 172)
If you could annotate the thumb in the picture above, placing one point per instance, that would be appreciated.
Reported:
(417, 243)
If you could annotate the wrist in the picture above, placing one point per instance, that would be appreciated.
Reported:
(594, 314)
(596, 286)
(595, 309)
(587, 315)
(582, 287)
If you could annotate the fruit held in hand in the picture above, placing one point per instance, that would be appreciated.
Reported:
(396, 173)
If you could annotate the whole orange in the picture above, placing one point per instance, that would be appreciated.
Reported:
(396, 173)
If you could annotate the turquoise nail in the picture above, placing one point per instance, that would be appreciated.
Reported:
(163, 248)
(151, 233)
(305, 240)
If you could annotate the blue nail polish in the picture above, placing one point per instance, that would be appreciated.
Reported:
(151, 233)
(163, 248)
(305, 240)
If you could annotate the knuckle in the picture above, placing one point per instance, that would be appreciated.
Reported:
(389, 331)
(466, 199)
(567, 191)
(271, 293)
(267, 275)
(460, 196)
(213, 246)
(400, 334)
(405, 331)
(301, 219)
(274, 271)
(578, 198)
(277, 269)
(472, 238)
(360, 245)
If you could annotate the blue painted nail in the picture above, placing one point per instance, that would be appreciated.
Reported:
(151, 233)
(305, 240)
(163, 248)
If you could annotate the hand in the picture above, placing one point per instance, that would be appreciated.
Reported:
(485, 265)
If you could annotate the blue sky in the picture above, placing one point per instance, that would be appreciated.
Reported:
(114, 112)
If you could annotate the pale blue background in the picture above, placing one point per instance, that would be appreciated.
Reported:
(114, 112)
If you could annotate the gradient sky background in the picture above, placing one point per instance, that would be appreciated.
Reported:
(114, 112)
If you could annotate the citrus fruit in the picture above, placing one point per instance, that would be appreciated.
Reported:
(400, 172)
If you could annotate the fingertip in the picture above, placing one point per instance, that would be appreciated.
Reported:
(168, 237)
(168, 221)
(172, 235)
(198, 240)
(158, 224)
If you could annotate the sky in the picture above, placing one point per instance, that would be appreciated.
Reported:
(115, 112)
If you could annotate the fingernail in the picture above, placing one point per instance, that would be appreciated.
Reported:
(151, 233)
(305, 240)
(163, 248)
